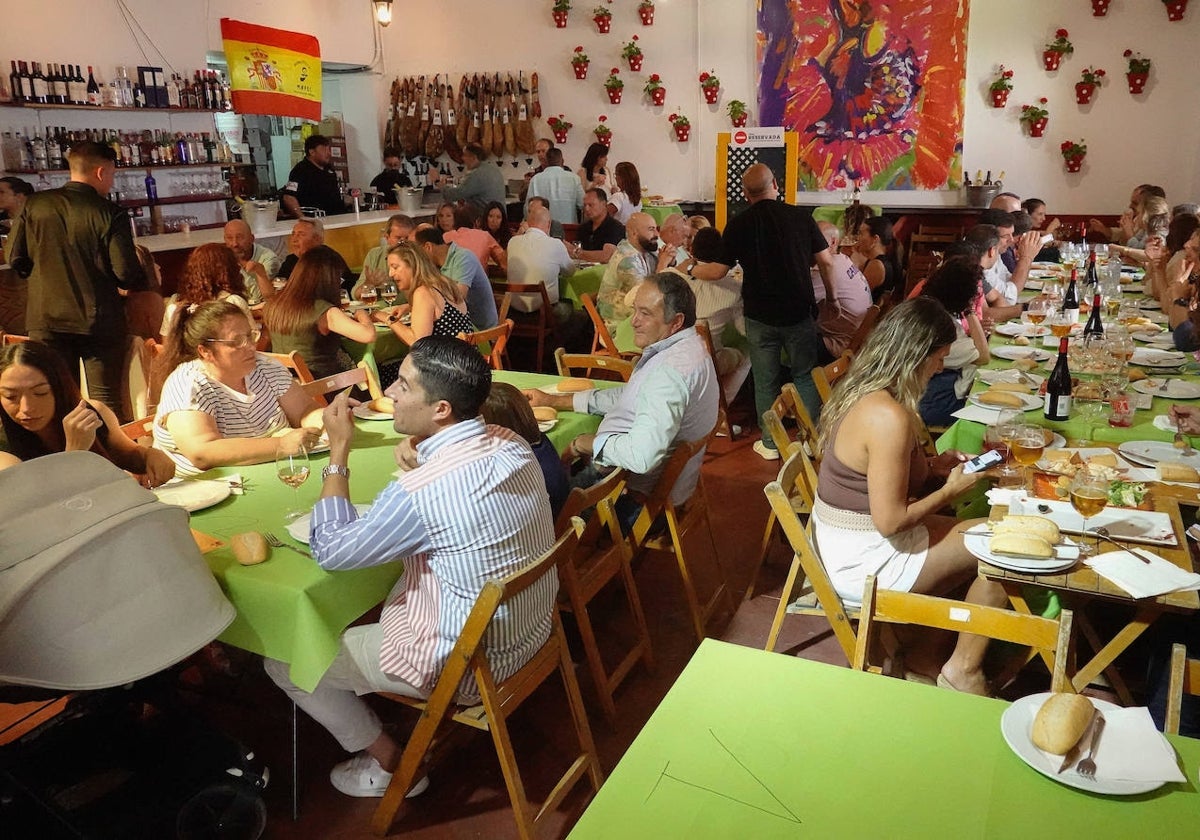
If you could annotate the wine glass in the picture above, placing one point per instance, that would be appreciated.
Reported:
(1090, 412)
(390, 293)
(1027, 444)
(1089, 496)
(291, 465)
(369, 294)
(1037, 312)
(1060, 324)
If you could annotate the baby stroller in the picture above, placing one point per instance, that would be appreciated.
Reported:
(102, 589)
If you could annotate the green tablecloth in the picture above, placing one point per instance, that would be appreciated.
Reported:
(760, 745)
(288, 608)
(584, 281)
(386, 347)
(661, 212)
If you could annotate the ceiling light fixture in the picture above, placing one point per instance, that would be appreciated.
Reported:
(383, 11)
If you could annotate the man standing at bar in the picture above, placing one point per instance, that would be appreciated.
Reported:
(312, 182)
(75, 247)
(775, 244)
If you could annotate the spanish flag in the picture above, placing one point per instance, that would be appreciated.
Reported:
(272, 71)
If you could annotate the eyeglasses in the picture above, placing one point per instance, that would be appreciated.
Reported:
(246, 340)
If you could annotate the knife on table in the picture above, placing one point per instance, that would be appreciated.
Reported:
(1081, 746)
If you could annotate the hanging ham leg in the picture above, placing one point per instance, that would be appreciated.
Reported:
(535, 107)
(410, 123)
(453, 149)
(426, 120)
(475, 99)
(435, 144)
(509, 120)
(486, 101)
(392, 130)
(525, 137)
(463, 117)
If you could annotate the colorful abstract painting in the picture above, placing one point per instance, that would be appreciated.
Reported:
(875, 89)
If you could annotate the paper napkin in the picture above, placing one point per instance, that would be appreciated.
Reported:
(1143, 580)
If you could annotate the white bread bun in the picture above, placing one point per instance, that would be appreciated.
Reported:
(250, 548)
(1005, 398)
(1038, 526)
(1174, 471)
(1025, 364)
(1106, 460)
(383, 405)
(544, 413)
(1025, 545)
(1061, 722)
(573, 384)
(1021, 341)
(1015, 387)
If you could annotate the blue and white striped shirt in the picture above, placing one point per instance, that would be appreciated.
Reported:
(474, 510)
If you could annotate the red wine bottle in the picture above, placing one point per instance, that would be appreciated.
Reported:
(1094, 328)
(1090, 280)
(1070, 304)
(1058, 387)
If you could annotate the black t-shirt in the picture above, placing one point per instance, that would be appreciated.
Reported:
(775, 243)
(389, 178)
(313, 186)
(610, 232)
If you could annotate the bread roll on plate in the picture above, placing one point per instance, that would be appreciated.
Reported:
(1037, 525)
(1022, 545)
(1174, 471)
(544, 413)
(1003, 398)
(1015, 387)
(1061, 722)
(573, 384)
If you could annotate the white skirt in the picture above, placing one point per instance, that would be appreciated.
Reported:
(852, 549)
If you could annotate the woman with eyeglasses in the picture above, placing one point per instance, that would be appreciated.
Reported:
(42, 412)
(305, 317)
(223, 403)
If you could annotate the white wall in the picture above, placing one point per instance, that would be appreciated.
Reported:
(1150, 138)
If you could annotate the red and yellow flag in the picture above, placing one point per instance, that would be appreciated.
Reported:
(272, 71)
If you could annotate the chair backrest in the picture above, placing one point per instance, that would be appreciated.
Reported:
(937, 230)
(926, 241)
(870, 319)
(789, 405)
(295, 363)
(660, 497)
(723, 424)
(794, 474)
(491, 342)
(503, 304)
(367, 363)
(12, 338)
(602, 341)
(1185, 679)
(137, 430)
(574, 364)
(584, 498)
(531, 289)
(825, 377)
(320, 389)
(920, 266)
(1052, 636)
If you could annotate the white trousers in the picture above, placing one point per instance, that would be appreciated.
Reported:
(335, 702)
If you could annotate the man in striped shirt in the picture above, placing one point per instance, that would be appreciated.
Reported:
(474, 509)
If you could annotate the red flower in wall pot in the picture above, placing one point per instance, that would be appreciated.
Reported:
(1053, 54)
(683, 128)
(559, 13)
(646, 12)
(655, 90)
(1138, 73)
(579, 62)
(1073, 154)
(559, 126)
(1035, 117)
(603, 19)
(613, 85)
(736, 109)
(1000, 87)
(1100, 8)
(1175, 9)
(631, 51)
(711, 86)
(603, 132)
(1089, 83)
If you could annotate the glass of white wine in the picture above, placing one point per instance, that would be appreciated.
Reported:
(292, 467)
(1089, 496)
(1027, 444)
(390, 293)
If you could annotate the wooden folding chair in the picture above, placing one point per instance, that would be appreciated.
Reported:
(12, 338)
(806, 563)
(826, 376)
(585, 364)
(295, 363)
(138, 430)
(503, 304)
(320, 389)
(1050, 637)
(789, 405)
(680, 520)
(920, 266)
(602, 341)
(799, 478)
(602, 554)
(724, 427)
(1185, 679)
(492, 343)
(367, 363)
(500, 698)
(870, 319)
(537, 325)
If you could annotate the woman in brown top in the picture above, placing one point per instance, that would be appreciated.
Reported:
(878, 495)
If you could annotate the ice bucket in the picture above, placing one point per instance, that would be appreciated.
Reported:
(260, 215)
(981, 196)
(409, 199)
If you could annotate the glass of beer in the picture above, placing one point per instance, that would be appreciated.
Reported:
(1060, 324)
(1027, 444)
(1089, 496)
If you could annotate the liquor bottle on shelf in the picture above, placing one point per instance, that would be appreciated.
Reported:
(1057, 405)
(93, 89)
(39, 151)
(51, 86)
(26, 81)
(54, 157)
(16, 83)
(151, 188)
(173, 98)
(41, 91)
(1070, 304)
(1094, 328)
(73, 86)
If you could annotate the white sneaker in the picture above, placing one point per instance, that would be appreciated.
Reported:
(363, 776)
(767, 453)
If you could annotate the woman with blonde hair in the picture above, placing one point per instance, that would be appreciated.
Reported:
(438, 306)
(305, 316)
(878, 494)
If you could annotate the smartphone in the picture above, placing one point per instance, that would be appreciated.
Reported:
(982, 462)
(1047, 238)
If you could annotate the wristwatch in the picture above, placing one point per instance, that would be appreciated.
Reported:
(335, 469)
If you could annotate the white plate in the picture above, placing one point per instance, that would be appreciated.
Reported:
(1148, 527)
(1136, 288)
(1149, 303)
(1015, 328)
(1057, 442)
(1153, 357)
(1028, 401)
(1012, 353)
(991, 377)
(547, 425)
(1035, 284)
(193, 493)
(1177, 389)
(1016, 725)
(298, 527)
(363, 411)
(1148, 453)
(1065, 556)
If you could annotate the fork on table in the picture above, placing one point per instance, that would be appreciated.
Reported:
(1087, 767)
(275, 542)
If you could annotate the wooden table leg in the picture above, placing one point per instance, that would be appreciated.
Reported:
(1105, 655)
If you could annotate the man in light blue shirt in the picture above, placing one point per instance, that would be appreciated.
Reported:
(560, 187)
(464, 268)
(670, 399)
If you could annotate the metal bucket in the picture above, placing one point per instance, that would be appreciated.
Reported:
(409, 199)
(260, 215)
(981, 196)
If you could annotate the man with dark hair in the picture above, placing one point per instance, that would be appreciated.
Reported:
(313, 182)
(561, 189)
(599, 233)
(481, 184)
(540, 149)
(776, 244)
(75, 247)
(474, 509)
(986, 239)
(1009, 273)
(392, 176)
(671, 398)
(13, 192)
(464, 268)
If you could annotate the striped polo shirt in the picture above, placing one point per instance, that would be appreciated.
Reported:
(254, 414)
(474, 510)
